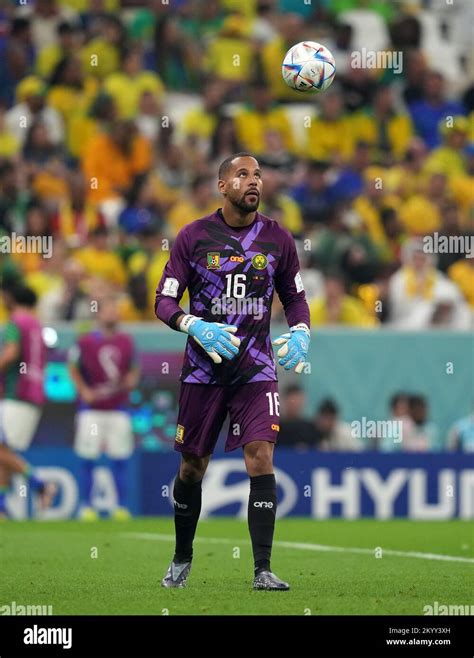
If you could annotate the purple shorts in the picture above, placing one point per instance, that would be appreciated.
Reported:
(253, 409)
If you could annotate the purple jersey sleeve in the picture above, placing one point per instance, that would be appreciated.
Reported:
(289, 286)
(174, 281)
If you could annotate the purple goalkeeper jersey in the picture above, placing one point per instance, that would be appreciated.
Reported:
(231, 274)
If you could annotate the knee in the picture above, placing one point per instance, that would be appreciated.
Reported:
(192, 470)
(259, 458)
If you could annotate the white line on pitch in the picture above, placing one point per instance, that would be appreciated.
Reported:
(306, 547)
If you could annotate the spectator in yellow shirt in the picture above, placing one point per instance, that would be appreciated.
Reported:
(421, 213)
(9, 144)
(449, 158)
(82, 127)
(127, 85)
(261, 115)
(169, 177)
(277, 204)
(200, 202)
(100, 261)
(199, 123)
(386, 130)
(69, 39)
(101, 55)
(247, 8)
(145, 268)
(112, 161)
(48, 277)
(290, 30)
(330, 136)
(76, 218)
(229, 57)
(409, 177)
(70, 92)
(337, 307)
(461, 189)
(37, 226)
(370, 206)
(90, 7)
(462, 273)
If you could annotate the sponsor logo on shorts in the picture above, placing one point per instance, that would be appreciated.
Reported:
(263, 503)
(179, 434)
(259, 261)
(180, 505)
(276, 428)
(236, 259)
(213, 260)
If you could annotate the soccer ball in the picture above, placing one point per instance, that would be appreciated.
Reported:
(308, 66)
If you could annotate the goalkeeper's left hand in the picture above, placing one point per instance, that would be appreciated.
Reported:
(295, 346)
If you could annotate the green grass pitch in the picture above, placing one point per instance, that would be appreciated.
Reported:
(53, 563)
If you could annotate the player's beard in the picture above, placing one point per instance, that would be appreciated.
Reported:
(246, 206)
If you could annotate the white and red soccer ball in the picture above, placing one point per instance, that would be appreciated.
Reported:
(309, 67)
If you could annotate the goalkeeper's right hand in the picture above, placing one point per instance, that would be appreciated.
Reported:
(214, 337)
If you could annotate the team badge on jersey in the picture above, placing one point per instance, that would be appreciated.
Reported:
(259, 261)
(213, 260)
(179, 434)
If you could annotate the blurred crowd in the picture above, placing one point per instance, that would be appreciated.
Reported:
(408, 427)
(115, 115)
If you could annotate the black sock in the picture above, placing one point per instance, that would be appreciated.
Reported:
(261, 518)
(187, 508)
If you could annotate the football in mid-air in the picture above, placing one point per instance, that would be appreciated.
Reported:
(308, 66)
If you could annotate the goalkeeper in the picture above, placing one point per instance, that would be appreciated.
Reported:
(231, 262)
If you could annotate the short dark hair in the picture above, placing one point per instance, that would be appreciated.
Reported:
(397, 397)
(21, 294)
(321, 166)
(417, 400)
(387, 214)
(128, 51)
(227, 163)
(6, 167)
(65, 28)
(328, 407)
(293, 388)
(19, 24)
